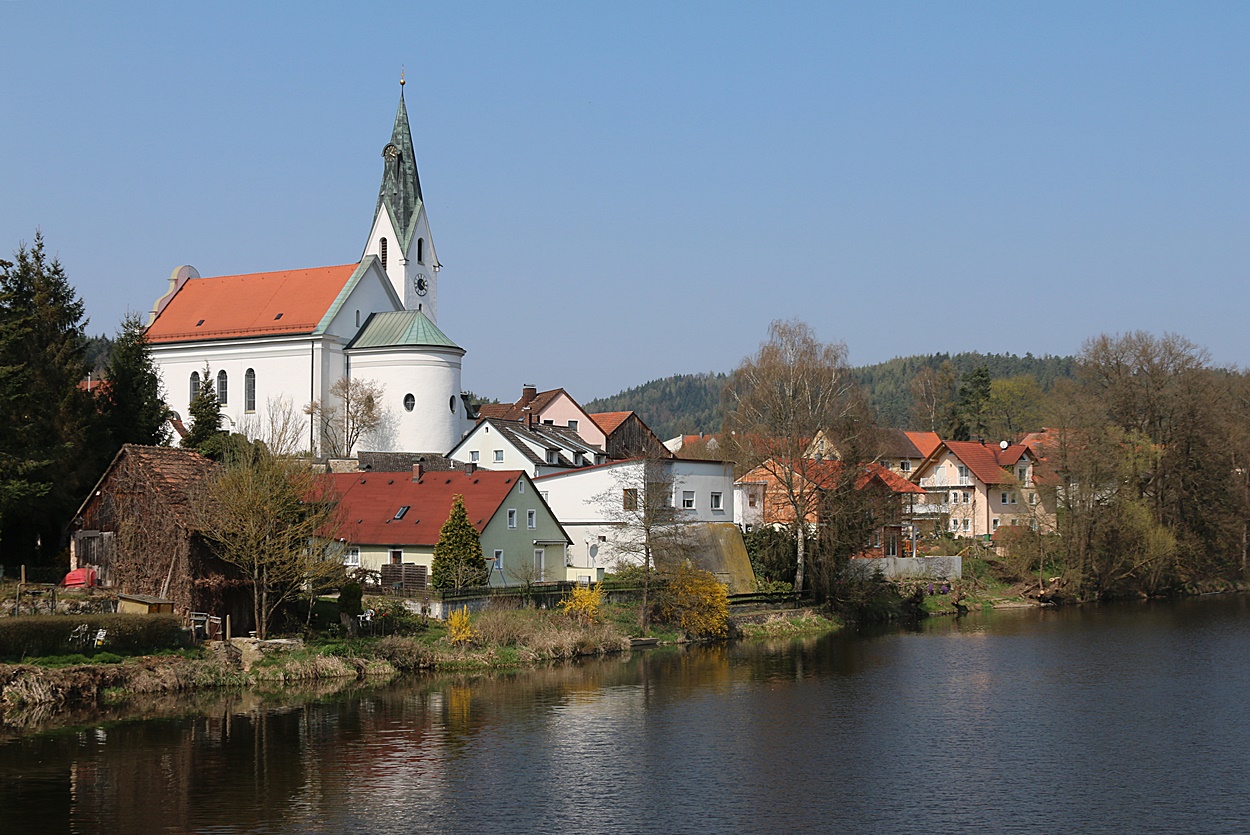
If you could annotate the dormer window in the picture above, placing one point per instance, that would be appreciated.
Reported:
(382, 251)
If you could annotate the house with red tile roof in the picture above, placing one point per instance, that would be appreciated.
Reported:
(272, 342)
(395, 519)
(555, 407)
(894, 498)
(972, 488)
(628, 436)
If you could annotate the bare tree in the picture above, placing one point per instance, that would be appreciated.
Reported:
(353, 410)
(270, 516)
(647, 523)
(776, 402)
(933, 396)
(284, 431)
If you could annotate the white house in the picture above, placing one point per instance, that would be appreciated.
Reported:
(585, 501)
(274, 342)
(536, 448)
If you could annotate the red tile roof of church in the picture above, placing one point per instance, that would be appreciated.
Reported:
(257, 304)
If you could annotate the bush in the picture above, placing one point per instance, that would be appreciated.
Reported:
(404, 653)
(459, 629)
(584, 604)
(350, 594)
(697, 602)
(392, 617)
(36, 635)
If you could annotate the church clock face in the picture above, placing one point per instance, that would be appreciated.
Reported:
(421, 285)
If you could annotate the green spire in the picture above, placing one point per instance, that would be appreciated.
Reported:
(401, 186)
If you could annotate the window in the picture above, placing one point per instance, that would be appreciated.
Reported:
(420, 250)
(553, 456)
(1004, 501)
(222, 388)
(751, 500)
(963, 474)
(967, 497)
(511, 518)
(995, 523)
(891, 545)
(904, 466)
(357, 318)
(687, 499)
(573, 425)
(531, 519)
(520, 486)
(397, 556)
(399, 514)
(1012, 498)
(382, 250)
(498, 560)
(540, 564)
(1032, 498)
(954, 524)
(195, 384)
(630, 498)
(352, 558)
(499, 456)
(1023, 473)
(717, 502)
(451, 404)
(410, 402)
(967, 525)
(475, 456)
(249, 390)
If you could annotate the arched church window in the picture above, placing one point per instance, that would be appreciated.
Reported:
(383, 248)
(452, 404)
(410, 402)
(222, 389)
(195, 385)
(420, 250)
(249, 390)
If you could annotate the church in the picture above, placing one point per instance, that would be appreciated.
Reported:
(271, 343)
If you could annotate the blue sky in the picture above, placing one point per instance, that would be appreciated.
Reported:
(621, 192)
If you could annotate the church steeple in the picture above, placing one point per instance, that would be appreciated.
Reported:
(400, 236)
(401, 185)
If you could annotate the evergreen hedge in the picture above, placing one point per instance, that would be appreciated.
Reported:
(37, 635)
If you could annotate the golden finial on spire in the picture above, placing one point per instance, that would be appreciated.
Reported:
(401, 75)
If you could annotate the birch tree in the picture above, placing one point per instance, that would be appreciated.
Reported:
(776, 401)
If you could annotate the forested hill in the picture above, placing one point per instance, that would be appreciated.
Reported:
(691, 403)
(887, 385)
(671, 406)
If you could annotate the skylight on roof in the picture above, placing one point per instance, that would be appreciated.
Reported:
(399, 514)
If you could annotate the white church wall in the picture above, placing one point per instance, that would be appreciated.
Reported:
(372, 294)
(437, 419)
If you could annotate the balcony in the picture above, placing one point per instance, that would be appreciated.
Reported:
(930, 508)
(940, 480)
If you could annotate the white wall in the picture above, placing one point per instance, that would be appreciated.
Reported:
(432, 376)
(575, 498)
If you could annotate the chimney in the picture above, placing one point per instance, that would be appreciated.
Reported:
(528, 392)
(417, 471)
(470, 468)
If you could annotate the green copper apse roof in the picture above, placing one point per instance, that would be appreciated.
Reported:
(400, 328)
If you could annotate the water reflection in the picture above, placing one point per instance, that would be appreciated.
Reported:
(1028, 720)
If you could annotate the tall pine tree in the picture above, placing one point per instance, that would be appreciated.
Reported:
(49, 450)
(134, 408)
(458, 561)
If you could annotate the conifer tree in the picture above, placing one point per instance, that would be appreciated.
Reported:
(48, 450)
(135, 411)
(458, 561)
(206, 434)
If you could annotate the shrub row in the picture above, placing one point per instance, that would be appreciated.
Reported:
(35, 635)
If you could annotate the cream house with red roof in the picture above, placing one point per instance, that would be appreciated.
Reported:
(973, 488)
(273, 342)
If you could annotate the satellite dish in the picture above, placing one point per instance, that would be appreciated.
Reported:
(1003, 444)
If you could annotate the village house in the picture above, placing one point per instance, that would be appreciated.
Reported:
(628, 436)
(394, 519)
(537, 448)
(138, 529)
(555, 407)
(587, 502)
(892, 496)
(972, 488)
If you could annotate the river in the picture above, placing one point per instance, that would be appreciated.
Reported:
(1126, 718)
